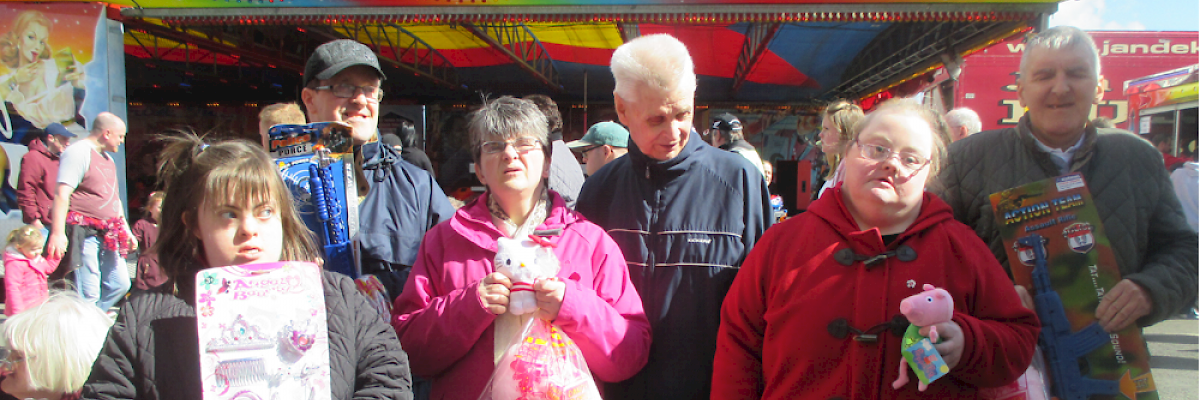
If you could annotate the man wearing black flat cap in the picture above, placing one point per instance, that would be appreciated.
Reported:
(342, 83)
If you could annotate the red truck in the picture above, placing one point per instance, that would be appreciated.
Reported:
(988, 80)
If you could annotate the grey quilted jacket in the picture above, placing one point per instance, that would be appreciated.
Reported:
(1152, 241)
(152, 351)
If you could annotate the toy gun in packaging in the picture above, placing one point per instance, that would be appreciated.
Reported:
(317, 164)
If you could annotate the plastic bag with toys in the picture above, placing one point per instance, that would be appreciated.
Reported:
(543, 364)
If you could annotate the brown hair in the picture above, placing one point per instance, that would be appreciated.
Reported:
(506, 118)
(9, 53)
(282, 113)
(550, 108)
(937, 124)
(25, 236)
(237, 170)
(844, 115)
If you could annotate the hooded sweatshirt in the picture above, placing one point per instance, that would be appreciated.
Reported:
(787, 325)
(24, 281)
(36, 183)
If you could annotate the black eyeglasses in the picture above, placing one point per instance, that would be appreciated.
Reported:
(346, 91)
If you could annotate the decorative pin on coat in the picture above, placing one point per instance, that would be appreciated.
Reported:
(931, 306)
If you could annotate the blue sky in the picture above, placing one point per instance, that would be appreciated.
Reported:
(1120, 15)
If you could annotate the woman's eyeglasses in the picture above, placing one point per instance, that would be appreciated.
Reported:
(522, 145)
(9, 358)
(910, 163)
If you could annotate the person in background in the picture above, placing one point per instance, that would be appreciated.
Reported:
(768, 172)
(837, 122)
(49, 349)
(566, 177)
(25, 270)
(963, 122)
(407, 133)
(1103, 122)
(603, 143)
(38, 178)
(880, 208)
(276, 114)
(88, 210)
(229, 206)
(399, 201)
(1162, 142)
(146, 231)
(726, 134)
(1154, 247)
(453, 314)
(684, 214)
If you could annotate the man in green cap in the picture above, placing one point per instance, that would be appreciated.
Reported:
(604, 142)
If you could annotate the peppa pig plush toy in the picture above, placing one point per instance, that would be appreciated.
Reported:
(931, 306)
(524, 261)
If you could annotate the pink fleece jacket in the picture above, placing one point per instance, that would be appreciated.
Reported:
(447, 333)
(24, 281)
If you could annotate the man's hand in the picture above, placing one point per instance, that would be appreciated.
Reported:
(493, 292)
(950, 345)
(549, 293)
(57, 245)
(1123, 305)
(1026, 299)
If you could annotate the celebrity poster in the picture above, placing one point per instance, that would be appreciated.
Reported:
(53, 69)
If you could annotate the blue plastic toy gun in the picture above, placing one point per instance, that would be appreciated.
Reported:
(1063, 348)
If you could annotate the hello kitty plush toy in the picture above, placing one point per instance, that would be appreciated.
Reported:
(524, 261)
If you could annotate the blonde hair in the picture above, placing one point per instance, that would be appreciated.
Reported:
(237, 171)
(60, 339)
(154, 196)
(282, 113)
(10, 53)
(659, 63)
(844, 115)
(25, 237)
(937, 125)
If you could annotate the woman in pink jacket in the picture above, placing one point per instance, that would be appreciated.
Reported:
(451, 316)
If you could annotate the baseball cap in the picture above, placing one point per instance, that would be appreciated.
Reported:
(58, 129)
(608, 132)
(727, 122)
(333, 57)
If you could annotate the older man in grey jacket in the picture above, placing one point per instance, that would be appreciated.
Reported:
(1154, 246)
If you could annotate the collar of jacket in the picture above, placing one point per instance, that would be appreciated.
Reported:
(833, 211)
(1078, 160)
(38, 146)
(376, 155)
(669, 169)
(737, 144)
(474, 222)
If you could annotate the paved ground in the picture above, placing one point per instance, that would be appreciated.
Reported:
(1174, 363)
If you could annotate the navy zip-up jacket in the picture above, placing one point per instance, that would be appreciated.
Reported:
(684, 225)
(404, 202)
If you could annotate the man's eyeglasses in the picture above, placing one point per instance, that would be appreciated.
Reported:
(522, 145)
(910, 163)
(346, 91)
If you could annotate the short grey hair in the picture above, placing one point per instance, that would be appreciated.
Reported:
(1060, 37)
(507, 118)
(658, 62)
(964, 117)
(60, 339)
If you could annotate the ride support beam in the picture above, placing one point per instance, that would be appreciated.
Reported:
(210, 45)
(406, 51)
(522, 47)
(757, 39)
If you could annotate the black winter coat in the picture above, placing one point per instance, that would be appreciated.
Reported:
(152, 352)
(684, 225)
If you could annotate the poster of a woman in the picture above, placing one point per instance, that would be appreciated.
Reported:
(42, 78)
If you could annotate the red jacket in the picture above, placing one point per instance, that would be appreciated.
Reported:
(36, 182)
(775, 340)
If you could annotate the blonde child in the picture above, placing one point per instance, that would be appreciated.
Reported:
(146, 231)
(229, 207)
(25, 270)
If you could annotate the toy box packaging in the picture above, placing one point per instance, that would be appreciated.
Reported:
(317, 164)
(1059, 252)
(263, 332)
